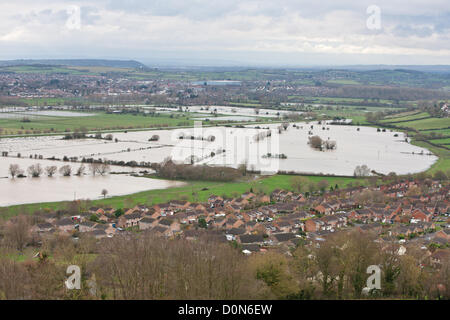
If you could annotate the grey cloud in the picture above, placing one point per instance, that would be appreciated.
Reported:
(408, 31)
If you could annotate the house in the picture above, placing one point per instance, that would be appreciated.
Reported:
(86, 226)
(160, 230)
(147, 223)
(65, 225)
(332, 221)
(42, 227)
(373, 227)
(251, 239)
(213, 198)
(130, 220)
(172, 226)
(420, 215)
(179, 204)
(284, 237)
(443, 234)
(249, 248)
(314, 225)
(232, 233)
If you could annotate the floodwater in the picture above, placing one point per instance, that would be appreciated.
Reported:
(40, 115)
(44, 189)
(227, 118)
(59, 188)
(227, 110)
(383, 152)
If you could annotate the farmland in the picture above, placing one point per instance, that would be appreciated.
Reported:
(428, 132)
(98, 120)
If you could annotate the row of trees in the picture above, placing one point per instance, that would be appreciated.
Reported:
(170, 170)
(304, 185)
(36, 170)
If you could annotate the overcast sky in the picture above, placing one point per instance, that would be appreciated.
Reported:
(229, 32)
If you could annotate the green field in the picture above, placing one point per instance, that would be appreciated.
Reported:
(431, 123)
(193, 191)
(343, 81)
(441, 141)
(88, 70)
(98, 121)
(410, 117)
(444, 132)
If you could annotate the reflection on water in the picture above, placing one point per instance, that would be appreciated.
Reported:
(44, 189)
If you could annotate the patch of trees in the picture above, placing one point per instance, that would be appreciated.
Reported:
(262, 135)
(317, 142)
(99, 168)
(170, 170)
(79, 133)
(275, 156)
(210, 138)
(361, 171)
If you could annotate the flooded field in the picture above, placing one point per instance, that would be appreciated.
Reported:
(383, 152)
(45, 114)
(226, 110)
(44, 189)
(59, 188)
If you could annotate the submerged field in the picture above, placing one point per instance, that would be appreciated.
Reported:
(381, 151)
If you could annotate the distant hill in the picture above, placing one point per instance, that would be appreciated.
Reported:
(76, 63)
(421, 68)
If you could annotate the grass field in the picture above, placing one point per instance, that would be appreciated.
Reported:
(343, 81)
(431, 123)
(441, 141)
(98, 121)
(193, 191)
(444, 132)
(410, 117)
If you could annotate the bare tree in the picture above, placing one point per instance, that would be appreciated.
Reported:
(14, 170)
(80, 171)
(66, 170)
(103, 168)
(322, 184)
(104, 193)
(51, 170)
(93, 168)
(35, 170)
(361, 171)
(299, 184)
(17, 232)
